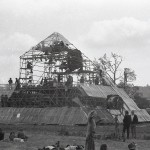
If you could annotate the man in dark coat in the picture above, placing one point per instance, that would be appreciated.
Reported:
(10, 83)
(126, 124)
(134, 121)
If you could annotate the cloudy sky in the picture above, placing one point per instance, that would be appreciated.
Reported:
(93, 26)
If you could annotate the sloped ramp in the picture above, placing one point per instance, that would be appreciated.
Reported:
(53, 116)
(60, 116)
(101, 91)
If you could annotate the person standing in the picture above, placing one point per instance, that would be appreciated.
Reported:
(116, 127)
(89, 144)
(17, 83)
(45, 81)
(10, 83)
(134, 122)
(126, 124)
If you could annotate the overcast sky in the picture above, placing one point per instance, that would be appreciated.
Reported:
(93, 26)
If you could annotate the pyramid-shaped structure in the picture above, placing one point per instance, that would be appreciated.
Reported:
(51, 41)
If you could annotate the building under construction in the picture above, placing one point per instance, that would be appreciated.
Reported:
(55, 74)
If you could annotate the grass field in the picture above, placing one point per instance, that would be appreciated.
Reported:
(40, 136)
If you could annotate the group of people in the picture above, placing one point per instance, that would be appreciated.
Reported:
(129, 121)
(97, 80)
(19, 137)
(17, 83)
(53, 82)
(129, 124)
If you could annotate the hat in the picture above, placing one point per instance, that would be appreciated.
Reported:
(132, 146)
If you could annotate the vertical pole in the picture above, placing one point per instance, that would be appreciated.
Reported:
(25, 71)
(20, 70)
(32, 67)
(125, 78)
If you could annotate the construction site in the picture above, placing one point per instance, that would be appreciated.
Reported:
(59, 85)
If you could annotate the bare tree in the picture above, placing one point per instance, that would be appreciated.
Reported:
(112, 66)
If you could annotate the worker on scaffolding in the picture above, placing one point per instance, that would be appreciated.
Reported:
(30, 82)
(45, 81)
(82, 79)
(60, 78)
(29, 66)
(102, 79)
(96, 80)
(41, 83)
(10, 81)
(69, 82)
(55, 83)
(101, 73)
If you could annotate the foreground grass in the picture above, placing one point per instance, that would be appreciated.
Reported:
(38, 140)
(40, 136)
